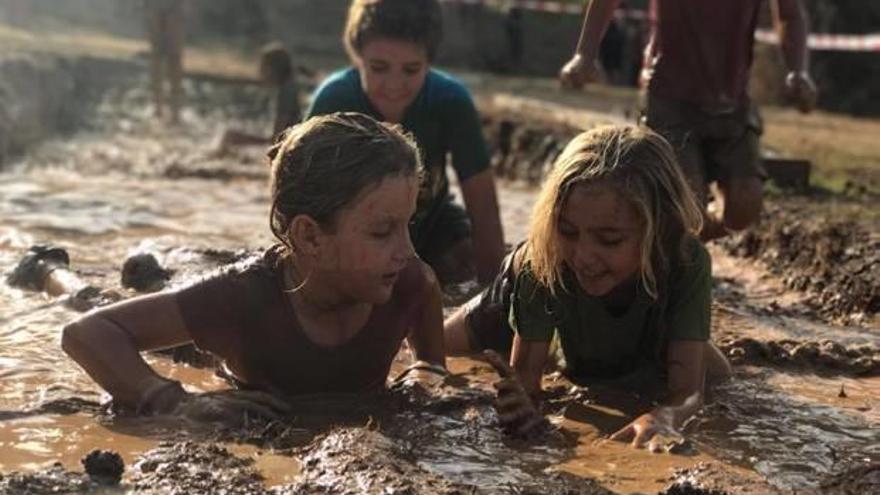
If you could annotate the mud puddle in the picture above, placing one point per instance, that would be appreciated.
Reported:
(126, 185)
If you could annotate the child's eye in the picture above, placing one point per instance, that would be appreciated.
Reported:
(381, 234)
(615, 241)
(378, 69)
(568, 234)
(411, 71)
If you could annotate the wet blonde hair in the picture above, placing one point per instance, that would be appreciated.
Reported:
(320, 166)
(642, 168)
(416, 21)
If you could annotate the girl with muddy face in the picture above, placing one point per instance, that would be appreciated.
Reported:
(613, 268)
(391, 44)
(324, 311)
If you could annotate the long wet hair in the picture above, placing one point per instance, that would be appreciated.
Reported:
(320, 166)
(416, 21)
(642, 168)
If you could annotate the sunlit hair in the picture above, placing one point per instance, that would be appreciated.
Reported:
(641, 166)
(322, 165)
(416, 21)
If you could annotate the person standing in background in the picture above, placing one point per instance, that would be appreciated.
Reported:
(695, 74)
(165, 32)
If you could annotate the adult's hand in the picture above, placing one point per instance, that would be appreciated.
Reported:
(516, 410)
(579, 71)
(801, 90)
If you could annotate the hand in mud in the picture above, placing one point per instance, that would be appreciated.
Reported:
(650, 428)
(516, 410)
(421, 374)
(800, 89)
(231, 407)
(578, 71)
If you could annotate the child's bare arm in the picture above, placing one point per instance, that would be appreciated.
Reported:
(687, 372)
(107, 344)
(482, 206)
(426, 337)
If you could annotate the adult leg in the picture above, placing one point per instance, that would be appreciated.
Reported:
(154, 35)
(173, 27)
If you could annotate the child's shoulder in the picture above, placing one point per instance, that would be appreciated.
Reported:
(342, 82)
(446, 87)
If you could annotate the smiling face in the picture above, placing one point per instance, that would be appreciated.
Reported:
(392, 74)
(600, 236)
(360, 258)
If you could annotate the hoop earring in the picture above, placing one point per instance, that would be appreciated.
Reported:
(301, 285)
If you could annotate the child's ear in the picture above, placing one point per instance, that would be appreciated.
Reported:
(305, 235)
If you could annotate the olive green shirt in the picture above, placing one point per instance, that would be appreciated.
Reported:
(598, 342)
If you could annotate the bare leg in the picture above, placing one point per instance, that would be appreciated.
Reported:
(174, 59)
(718, 369)
(157, 53)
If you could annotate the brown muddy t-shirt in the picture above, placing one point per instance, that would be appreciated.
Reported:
(701, 50)
(242, 316)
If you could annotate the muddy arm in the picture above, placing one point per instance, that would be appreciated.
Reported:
(791, 22)
(107, 344)
(687, 372)
(596, 20)
(482, 206)
(426, 338)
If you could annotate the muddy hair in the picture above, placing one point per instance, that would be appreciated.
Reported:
(276, 60)
(322, 165)
(416, 21)
(642, 168)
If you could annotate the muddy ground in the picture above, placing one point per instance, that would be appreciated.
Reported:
(795, 310)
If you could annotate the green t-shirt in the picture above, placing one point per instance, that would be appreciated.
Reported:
(596, 342)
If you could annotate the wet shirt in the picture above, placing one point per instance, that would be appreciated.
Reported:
(596, 342)
(701, 51)
(243, 316)
(442, 118)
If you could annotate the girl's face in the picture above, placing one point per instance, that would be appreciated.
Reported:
(392, 74)
(362, 256)
(600, 234)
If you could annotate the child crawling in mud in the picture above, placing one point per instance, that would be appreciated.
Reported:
(391, 44)
(324, 311)
(613, 268)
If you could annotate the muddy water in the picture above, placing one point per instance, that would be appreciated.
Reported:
(127, 184)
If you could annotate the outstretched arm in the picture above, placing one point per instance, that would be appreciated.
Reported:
(426, 338)
(481, 201)
(107, 344)
(582, 67)
(791, 22)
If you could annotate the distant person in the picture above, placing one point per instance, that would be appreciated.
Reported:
(612, 268)
(277, 73)
(165, 30)
(323, 311)
(696, 73)
(391, 44)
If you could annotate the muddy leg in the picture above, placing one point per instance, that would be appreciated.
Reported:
(743, 199)
(157, 56)
(718, 369)
(173, 27)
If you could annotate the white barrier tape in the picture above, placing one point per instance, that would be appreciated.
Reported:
(835, 42)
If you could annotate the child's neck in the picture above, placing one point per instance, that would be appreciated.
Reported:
(326, 317)
(620, 298)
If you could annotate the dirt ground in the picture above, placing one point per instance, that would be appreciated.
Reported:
(795, 309)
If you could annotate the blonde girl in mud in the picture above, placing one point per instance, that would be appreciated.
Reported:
(323, 311)
(613, 268)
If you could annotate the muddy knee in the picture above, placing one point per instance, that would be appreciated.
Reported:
(743, 202)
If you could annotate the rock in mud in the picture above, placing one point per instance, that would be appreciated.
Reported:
(143, 273)
(35, 266)
(104, 466)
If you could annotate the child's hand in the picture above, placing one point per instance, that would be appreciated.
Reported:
(421, 373)
(644, 428)
(516, 411)
(230, 407)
